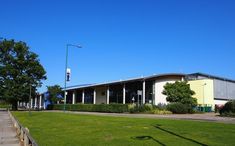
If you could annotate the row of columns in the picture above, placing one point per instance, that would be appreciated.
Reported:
(83, 97)
(107, 91)
(35, 101)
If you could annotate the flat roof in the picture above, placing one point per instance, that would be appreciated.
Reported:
(145, 78)
(211, 76)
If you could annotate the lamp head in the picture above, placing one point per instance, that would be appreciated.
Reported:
(78, 46)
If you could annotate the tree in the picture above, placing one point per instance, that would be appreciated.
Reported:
(179, 92)
(54, 92)
(20, 69)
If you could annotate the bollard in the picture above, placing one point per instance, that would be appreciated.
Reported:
(18, 129)
(21, 134)
(26, 139)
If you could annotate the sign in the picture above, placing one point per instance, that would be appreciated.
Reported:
(68, 74)
(139, 92)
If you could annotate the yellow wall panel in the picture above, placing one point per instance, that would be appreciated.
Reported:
(204, 91)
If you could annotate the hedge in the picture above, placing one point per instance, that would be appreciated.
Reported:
(228, 109)
(107, 108)
(179, 108)
(133, 108)
(5, 106)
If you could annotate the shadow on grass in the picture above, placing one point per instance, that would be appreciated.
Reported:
(148, 138)
(172, 133)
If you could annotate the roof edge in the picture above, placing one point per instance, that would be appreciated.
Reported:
(126, 80)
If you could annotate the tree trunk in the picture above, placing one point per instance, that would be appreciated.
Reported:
(14, 106)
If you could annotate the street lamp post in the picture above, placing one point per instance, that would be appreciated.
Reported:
(66, 66)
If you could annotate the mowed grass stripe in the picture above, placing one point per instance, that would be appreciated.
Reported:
(64, 129)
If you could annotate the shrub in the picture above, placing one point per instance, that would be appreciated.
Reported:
(161, 106)
(145, 108)
(218, 108)
(179, 92)
(179, 108)
(228, 109)
(149, 107)
(50, 107)
(108, 108)
(133, 108)
(161, 112)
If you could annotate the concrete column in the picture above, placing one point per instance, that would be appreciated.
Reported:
(65, 97)
(124, 94)
(31, 106)
(73, 98)
(44, 105)
(107, 95)
(83, 97)
(182, 79)
(40, 102)
(143, 92)
(94, 97)
(36, 102)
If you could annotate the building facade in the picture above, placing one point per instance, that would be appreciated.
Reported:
(139, 90)
(209, 90)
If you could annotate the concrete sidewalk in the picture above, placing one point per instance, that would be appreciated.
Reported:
(8, 136)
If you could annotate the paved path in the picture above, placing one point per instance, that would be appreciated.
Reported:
(210, 117)
(8, 135)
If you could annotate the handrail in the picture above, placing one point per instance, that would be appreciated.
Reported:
(22, 132)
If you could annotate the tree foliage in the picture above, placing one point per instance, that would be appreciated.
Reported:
(179, 92)
(54, 92)
(19, 69)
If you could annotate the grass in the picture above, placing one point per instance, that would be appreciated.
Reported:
(60, 129)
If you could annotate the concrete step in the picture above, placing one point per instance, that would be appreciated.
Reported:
(8, 135)
(9, 140)
(18, 144)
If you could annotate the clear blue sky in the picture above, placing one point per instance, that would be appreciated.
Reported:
(124, 38)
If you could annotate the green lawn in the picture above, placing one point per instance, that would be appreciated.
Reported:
(60, 129)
